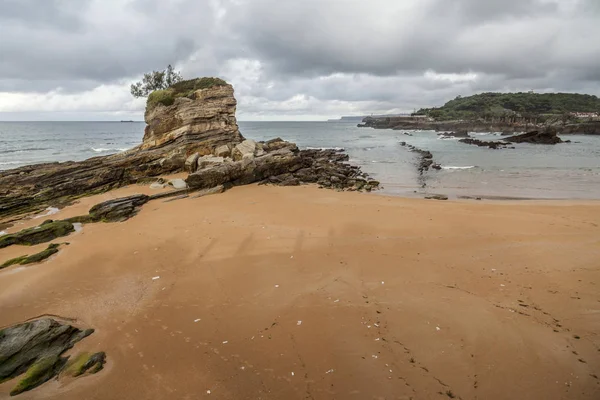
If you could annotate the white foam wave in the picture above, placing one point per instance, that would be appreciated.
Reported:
(448, 138)
(106, 150)
(326, 148)
(451, 167)
(9, 162)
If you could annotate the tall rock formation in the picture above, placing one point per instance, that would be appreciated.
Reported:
(198, 124)
(200, 121)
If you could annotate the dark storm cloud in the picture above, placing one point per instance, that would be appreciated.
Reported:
(386, 53)
(69, 44)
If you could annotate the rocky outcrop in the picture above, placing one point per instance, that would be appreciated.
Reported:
(118, 210)
(457, 134)
(425, 160)
(547, 136)
(47, 231)
(190, 130)
(280, 163)
(483, 143)
(34, 349)
(199, 123)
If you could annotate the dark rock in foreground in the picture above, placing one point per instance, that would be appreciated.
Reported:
(34, 349)
(46, 232)
(548, 136)
(118, 210)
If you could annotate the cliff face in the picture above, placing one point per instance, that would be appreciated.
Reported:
(402, 123)
(190, 125)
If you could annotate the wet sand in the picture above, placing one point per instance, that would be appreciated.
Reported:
(301, 293)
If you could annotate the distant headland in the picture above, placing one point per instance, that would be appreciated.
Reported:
(505, 112)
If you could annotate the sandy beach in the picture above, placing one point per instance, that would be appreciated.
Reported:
(300, 293)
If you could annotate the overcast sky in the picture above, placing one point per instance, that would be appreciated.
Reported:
(291, 59)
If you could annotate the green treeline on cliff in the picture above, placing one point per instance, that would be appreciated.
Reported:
(488, 105)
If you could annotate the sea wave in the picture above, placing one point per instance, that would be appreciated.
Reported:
(448, 138)
(23, 150)
(451, 167)
(10, 162)
(326, 148)
(105, 149)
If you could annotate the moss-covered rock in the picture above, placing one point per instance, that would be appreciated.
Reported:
(80, 219)
(85, 362)
(37, 257)
(33, 349)
(186, 88)
(41, 371)
(14, 261)
(46, 232)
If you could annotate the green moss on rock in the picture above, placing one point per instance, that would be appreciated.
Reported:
(37, 257)
(85, 362)
(40, 372)
(14, 261)
(165, 97)
(186, 88)
(46, 232)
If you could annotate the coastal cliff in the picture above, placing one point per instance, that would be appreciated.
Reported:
(404, 123)
(188, 129)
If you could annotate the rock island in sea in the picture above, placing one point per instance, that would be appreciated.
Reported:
(169, 272)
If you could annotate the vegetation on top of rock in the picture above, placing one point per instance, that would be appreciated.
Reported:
(166, 96)
(155, 80)
(487, 105)
(47, 231)
(185, 88)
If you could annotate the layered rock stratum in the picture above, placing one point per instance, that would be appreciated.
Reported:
(191, 131)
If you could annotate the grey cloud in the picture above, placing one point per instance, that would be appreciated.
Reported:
(374, 53)
(54, 14)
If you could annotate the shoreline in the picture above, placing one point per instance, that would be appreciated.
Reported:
(81, 205)
(265, 291)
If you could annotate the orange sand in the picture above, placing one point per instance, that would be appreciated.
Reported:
(301, 293)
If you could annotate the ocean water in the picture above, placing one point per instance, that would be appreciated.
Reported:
(570, 171)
